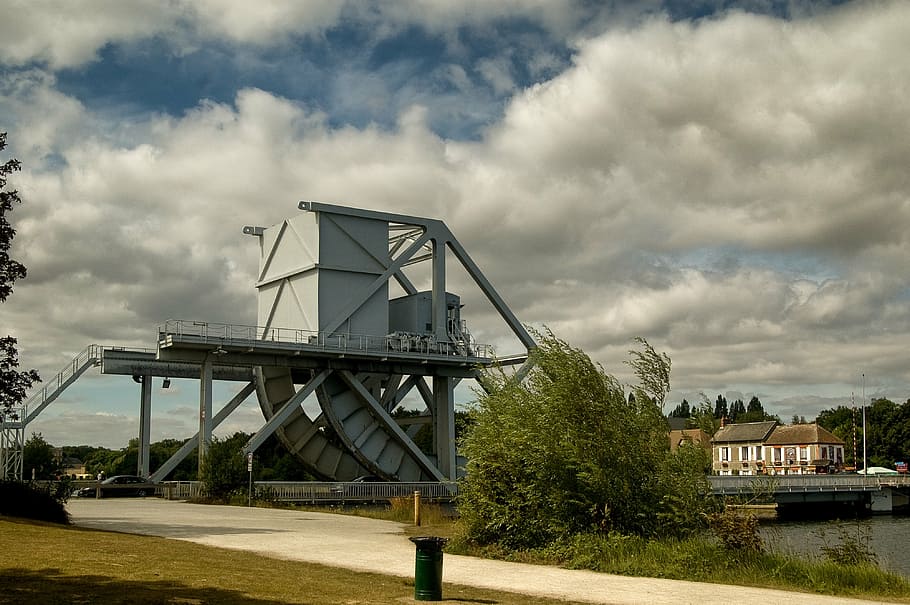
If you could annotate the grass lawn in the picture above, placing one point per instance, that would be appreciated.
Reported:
(45, 563)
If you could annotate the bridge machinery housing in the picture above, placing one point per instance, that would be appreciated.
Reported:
(338, 347)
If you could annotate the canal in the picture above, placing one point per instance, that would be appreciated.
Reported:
(886, 535)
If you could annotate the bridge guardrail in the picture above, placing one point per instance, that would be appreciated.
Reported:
(729, 485)
(228, 334)
(324, 491)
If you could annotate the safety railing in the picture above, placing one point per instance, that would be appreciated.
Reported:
(90, 356)
(87, 358)
(805, 483)
(245, 335)
(321, 491)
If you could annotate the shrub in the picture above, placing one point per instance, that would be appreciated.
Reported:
(224, 471)
(853, 549)
(569, 452)
(736, 530)
(33, 501)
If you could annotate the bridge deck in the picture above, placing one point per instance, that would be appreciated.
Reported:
(252, 345)
(779, 484)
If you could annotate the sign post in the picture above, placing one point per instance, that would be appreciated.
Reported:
(249, 468)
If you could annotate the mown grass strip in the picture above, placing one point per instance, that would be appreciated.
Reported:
(700, 559)
(44, 563)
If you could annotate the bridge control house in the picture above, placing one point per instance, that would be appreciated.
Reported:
(767, 448)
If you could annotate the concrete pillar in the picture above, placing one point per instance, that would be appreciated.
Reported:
(145, 424)
(205, 409)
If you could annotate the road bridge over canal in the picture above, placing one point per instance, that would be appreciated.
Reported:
(876, 494)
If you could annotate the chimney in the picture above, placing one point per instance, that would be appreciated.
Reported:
(723, 421)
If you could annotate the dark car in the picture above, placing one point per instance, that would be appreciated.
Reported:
(120, 485)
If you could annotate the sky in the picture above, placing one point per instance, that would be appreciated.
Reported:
(727, 179)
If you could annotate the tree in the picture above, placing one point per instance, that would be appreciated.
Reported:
(681, 411)
(567, 452)
(737, 410)
(38, 458)
(703, 417)
(224, 471)
(842, 421)
(720, 407)
(13, 383)
(755, 406)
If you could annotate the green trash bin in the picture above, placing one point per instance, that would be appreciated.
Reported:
(428, 568)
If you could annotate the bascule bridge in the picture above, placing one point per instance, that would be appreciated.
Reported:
(342, 327)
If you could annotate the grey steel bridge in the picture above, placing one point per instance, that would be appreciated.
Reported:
(354, 316)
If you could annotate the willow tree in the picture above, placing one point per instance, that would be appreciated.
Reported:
(566, 451)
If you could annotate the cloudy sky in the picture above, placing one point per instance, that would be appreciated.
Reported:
(726, 179)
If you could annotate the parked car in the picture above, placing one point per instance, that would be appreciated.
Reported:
(120, 485)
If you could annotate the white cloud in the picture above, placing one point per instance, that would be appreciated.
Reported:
(72, 34)
(764, 145)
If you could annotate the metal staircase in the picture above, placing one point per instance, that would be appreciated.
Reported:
(12, 427)
(89, 357)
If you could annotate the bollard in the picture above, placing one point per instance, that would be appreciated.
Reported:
(428, 568)
(417, 508)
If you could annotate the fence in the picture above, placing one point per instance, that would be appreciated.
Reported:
(248, 336)
(805, 483)
(316, 492)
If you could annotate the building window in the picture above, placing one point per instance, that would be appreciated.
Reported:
(803, 453)
(744, 453)
(725, 454)
(778, 458)
(824, 453)
(758, 452)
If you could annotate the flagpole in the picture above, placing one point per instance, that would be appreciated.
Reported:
(865, 472)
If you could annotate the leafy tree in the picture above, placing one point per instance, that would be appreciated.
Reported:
(13, 383)
(737, 411)
(703, 417)
(844, 423)
(567, 452)
(720, 407)
(755, 406)
(755, 412)
(38, 457)
(224, 469)
(887, 431)
(681, 411)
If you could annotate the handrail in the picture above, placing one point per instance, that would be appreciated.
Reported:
(219, 333)
(803, 483)
(89, 357)
(325, 491)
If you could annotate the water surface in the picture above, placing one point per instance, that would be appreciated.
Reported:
(887, 536)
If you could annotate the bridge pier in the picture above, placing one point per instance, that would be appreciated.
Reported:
(145, 424)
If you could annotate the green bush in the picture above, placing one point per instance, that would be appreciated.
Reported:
(568, 452)
(853, 548)
(736, 530)
(224, 471)
(33, 501)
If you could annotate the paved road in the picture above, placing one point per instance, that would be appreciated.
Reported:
(379, 546)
